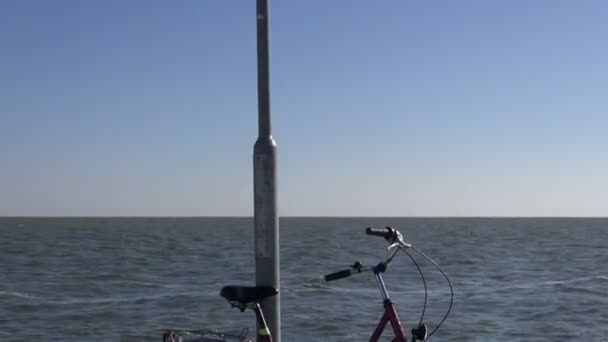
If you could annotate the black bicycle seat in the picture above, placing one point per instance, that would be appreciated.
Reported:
(247, 294)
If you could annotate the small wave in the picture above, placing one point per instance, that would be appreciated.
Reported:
(110, 300)
(315, 283)
(123, 299)
(575, 280)
(98, 300)
(150, 284)
(534, 285)
(16, 294)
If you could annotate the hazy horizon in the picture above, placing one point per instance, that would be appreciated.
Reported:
(323, 217)
(403, 109)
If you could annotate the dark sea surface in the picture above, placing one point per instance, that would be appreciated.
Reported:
(127, 279)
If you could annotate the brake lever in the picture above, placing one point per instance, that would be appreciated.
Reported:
(391, 246)
(399, 243)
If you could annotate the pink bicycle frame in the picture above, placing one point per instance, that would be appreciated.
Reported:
(390, 315)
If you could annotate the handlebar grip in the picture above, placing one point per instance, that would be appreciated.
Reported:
(338, 275)
(385, 233)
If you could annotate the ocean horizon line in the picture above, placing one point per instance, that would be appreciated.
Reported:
(302, 216)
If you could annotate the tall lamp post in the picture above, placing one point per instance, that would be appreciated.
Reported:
(266, 223)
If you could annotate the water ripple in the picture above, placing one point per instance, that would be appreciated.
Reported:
(127, 279)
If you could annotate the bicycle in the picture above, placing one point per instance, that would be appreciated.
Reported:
(241, 297)
(249, 297)
(396, 244)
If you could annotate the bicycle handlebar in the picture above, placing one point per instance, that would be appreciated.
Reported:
(396, 244)
(393, 236)
(354, 268)
(385, 233)
(338, 275)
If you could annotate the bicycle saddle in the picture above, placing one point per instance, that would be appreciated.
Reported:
(247, 294)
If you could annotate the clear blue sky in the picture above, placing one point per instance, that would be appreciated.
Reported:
(395, 108)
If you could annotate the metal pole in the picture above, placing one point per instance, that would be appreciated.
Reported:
(266, 223)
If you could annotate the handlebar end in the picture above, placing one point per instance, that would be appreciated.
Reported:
(386, 233)
(337, 275)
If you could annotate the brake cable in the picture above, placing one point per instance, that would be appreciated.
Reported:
(451, 291)
(423, 282)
